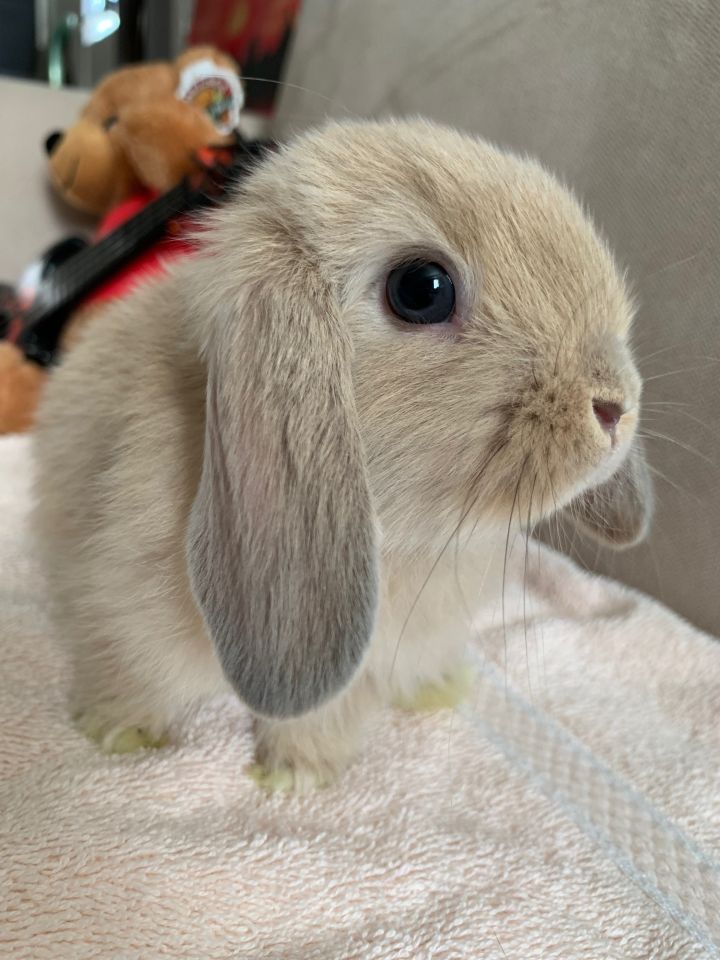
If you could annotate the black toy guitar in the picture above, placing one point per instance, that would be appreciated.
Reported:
(72, 269)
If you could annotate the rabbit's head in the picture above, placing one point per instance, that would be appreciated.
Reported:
(407, 330)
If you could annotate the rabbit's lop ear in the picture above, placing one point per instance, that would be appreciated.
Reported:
(618, 511)
(281, 543)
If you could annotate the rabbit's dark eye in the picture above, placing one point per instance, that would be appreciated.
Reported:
(421, 292)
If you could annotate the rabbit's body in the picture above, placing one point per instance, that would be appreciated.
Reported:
(227, 459)
(120, 589)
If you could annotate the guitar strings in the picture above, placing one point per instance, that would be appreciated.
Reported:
(69, 280)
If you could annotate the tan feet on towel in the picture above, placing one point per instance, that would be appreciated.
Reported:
(284, 779)
(446, 694)
(112, 737)
(305, 754)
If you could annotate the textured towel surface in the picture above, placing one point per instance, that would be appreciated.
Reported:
(570, 811)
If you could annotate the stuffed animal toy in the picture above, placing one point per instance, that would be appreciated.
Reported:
(138, 136)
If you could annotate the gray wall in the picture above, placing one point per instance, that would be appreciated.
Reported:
(623, 100)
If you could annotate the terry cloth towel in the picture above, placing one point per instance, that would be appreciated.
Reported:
(570, 810)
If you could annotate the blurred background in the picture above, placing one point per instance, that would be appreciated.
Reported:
(76, 42)
(621, 99)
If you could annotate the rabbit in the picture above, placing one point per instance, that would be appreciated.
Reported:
(248, 472)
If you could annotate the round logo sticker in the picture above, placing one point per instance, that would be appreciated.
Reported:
(214, 89)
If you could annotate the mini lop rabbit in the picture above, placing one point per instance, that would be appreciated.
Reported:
(248, 470)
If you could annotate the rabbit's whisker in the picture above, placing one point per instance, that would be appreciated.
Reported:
(656, 435)
(528, 529)
(473, 496)
(676, 486)
(332, 101)
(653, 407)
(507, 556)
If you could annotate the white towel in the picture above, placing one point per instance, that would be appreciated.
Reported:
(570, 811)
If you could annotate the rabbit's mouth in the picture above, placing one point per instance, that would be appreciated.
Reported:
(571, 446)
(559, 437)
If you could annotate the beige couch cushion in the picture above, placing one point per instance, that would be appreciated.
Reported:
(623, 100)
(32, 218)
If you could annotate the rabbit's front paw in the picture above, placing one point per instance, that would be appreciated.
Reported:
(286, 779)
(445, 694)
(299, 756)
(114, 737)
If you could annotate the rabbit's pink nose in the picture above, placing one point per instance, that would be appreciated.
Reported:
(608, 414)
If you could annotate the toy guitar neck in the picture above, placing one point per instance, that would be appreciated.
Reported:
(37, 327)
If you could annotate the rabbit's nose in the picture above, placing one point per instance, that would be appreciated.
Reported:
(608, 414)
(52, 141)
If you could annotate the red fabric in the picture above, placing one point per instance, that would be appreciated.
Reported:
(243, 28)
(148, 262)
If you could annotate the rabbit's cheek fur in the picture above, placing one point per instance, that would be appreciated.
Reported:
(523, 437)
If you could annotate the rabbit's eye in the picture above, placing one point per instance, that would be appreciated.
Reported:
(421, 292)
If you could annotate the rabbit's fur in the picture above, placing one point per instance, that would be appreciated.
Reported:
(248, 473)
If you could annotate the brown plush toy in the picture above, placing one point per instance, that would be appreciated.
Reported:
(140, 131)
(143, 127)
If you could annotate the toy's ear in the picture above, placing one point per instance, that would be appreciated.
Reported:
(281, 542)
(618, 512)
